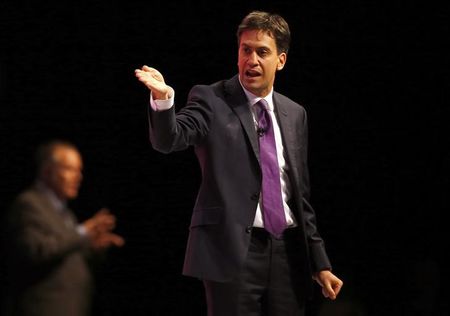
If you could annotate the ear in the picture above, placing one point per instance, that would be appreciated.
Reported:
(45, 172)
(281, 61)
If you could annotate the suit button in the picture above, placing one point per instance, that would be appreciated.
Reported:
(248, 229)
(254, 196)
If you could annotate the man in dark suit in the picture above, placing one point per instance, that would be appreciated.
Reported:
(248, 264)
(47, 249)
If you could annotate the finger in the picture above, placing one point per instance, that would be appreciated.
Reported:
(106, 224)
(140, 77)
(152, 72)
(105, 216)
(144, 76)
(104, 210)
(117, 241)
(113, 240)
(330, 292)
(337, 288)
(139, 72)
(105, 220)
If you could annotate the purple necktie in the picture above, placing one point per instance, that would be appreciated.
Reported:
(272, 203)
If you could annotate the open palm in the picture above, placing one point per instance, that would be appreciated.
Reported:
(154, 80)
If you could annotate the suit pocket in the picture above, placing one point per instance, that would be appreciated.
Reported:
(206, 216)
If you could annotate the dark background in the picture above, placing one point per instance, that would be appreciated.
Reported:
(374, 79)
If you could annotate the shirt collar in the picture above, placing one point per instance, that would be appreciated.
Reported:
(57, 203)
(253, 99)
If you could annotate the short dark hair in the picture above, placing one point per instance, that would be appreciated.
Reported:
(272, 23)
(44, 152)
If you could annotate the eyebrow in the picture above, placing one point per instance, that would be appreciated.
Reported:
(257, 47)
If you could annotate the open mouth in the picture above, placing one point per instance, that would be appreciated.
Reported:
(252, 73)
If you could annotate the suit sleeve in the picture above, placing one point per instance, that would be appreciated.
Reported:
(319, 257)
(171, 131)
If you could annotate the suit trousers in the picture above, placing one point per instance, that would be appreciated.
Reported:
(269, 283)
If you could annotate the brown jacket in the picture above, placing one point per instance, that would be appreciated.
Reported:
(47, 269)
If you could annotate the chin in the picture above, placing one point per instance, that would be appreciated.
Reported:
(252, 87)
(71, 195)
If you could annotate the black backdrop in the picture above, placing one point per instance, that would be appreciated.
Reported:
(373, 77)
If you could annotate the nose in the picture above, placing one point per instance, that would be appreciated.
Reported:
(252, 59)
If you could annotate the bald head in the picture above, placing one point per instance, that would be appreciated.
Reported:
(60, 166)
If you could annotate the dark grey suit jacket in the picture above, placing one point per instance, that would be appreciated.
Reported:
(47, 269)
(217, 121)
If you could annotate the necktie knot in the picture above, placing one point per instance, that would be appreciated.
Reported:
(262, 104)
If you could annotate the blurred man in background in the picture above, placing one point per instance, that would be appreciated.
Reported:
(48, 251)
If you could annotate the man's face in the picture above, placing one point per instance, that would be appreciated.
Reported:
(64, 174)
(258, 61)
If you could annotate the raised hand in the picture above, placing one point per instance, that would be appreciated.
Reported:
(102, 221)
(154, 81)
(99, 228)
(105, 240)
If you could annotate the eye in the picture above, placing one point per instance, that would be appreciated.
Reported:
(247, 50)
(263, 52)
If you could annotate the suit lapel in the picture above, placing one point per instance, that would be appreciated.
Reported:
(239, 104)
(286, 127)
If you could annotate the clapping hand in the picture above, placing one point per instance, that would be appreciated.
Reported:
(99, 229)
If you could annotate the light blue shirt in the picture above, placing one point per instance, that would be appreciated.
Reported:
(58, 204)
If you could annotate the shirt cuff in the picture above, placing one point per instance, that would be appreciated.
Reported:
(162, 105)
(81, 230)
